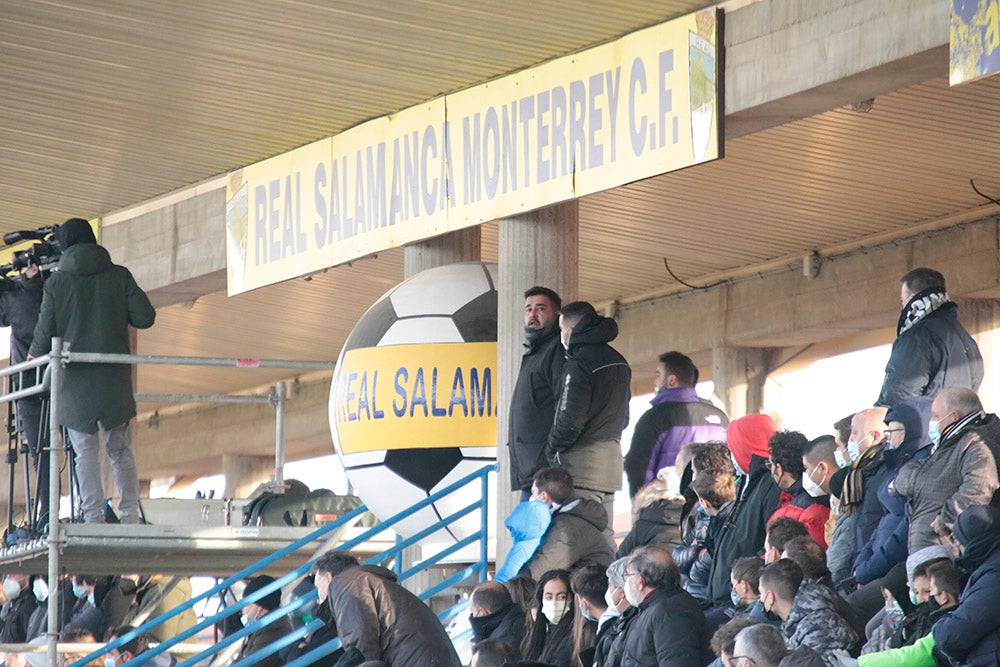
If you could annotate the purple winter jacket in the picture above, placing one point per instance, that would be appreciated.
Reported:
(678, 417)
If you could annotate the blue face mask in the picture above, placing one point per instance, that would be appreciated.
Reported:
(739, 470)
(79, 591)
(841, 460)
(934, 431)
(854, 447)
(702, 511)
(585, 614)
(734, 597)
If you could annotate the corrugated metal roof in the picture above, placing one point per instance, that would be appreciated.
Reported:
(108, 103)
(806, 185)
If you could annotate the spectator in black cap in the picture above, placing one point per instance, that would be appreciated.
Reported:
(257, 610)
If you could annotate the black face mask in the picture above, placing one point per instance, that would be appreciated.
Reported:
(483, 626)
(769, 614)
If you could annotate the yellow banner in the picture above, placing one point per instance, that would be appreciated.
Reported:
(414, 396)
(643, 105)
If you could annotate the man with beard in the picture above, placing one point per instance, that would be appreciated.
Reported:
(533, 404)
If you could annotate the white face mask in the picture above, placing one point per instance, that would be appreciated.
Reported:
(631, 595)
(40, 589)
(609, 598)
(811, 487)
(554, 610)
(11, 588)
(564, 339)
(842, 460)
(934, 431)
(110, 661)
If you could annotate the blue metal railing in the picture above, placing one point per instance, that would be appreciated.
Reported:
(478, 568)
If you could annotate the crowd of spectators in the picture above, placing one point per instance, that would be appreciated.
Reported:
(878, 544)
(92, 608)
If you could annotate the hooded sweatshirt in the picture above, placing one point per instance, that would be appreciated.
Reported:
(593, 408)
(888, 544)
(90, 303)
(575, 536)
(756, 500)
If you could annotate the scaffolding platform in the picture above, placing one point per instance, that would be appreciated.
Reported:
(103, 549)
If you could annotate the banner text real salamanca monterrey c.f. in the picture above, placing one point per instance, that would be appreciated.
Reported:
(642, 105)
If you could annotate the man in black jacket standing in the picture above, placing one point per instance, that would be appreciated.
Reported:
(593, 406)
(932, 350)
(533, 404)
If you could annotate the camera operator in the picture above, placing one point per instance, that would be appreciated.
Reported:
(20, 302)
(90, 302)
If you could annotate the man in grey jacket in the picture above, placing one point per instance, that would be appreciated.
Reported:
(961, 470)
(576, 534)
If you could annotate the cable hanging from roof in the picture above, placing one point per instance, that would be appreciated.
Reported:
(689, 285)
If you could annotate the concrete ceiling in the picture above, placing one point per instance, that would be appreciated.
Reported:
(107, 104)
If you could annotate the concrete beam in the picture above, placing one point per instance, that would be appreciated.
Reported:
(245, 473)
(463, 245)
(176, 252)
(787, 60)
(853, 293)
(536, 248)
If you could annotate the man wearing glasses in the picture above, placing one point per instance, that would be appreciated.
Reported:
(763, 646)
(670, 627)
(906, 440)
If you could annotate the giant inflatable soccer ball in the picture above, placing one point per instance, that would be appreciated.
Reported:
(413, 400)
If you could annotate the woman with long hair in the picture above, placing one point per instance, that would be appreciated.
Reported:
(550, 637)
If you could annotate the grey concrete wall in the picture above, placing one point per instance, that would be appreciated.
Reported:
(789, 59)
(176, 253)
(853, 293)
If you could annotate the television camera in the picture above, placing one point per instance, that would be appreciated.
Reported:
(44, 254)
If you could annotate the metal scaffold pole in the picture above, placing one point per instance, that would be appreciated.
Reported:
(280, 396)
(55, 373)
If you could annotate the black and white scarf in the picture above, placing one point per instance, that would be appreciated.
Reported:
(920, 306)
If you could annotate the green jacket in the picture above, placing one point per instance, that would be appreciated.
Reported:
(89, 303)
(918, 654)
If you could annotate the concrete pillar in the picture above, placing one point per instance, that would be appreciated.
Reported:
(537, 248)
(244, 473)
(981, 318)
(463, 245)
(739, 374)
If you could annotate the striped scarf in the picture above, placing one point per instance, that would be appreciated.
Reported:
(854, 485)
